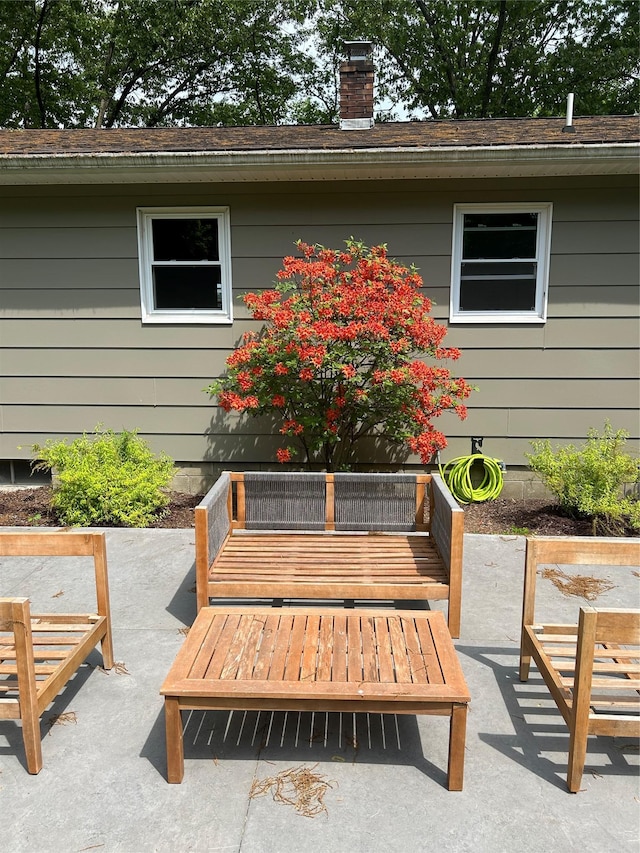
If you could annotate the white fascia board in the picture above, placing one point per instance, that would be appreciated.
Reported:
(296, 164)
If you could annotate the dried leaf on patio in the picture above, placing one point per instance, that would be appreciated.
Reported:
(298, 787)
(584, 586)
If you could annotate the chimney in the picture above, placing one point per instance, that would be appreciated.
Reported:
(356, 87)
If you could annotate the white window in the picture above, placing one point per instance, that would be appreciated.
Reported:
(185, 264)
(500, 263)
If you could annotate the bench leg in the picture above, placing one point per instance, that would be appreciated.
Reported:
(577, 758)
(457, 737)
(175, 746)
(32, 742)
(525, 658)
(454, 617)
(106, 647)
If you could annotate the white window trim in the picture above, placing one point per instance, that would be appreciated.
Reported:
(543, 253)
(150, 314)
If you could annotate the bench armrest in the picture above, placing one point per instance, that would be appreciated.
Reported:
(213, 525)
(446, 526)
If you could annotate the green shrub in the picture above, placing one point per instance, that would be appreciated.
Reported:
(589, 482)
(106, 479)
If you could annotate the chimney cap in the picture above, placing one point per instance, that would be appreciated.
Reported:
(358, 50)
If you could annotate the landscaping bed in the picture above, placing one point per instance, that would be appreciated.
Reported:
(30, 508)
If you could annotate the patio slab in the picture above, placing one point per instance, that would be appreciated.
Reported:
(103, 783)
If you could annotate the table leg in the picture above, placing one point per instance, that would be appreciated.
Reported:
(175, 747)
(457, 736)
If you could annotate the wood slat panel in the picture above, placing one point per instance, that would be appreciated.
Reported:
(429, 654)
(325, 649)
(386, 671)
(354, 649)
(412, 643)
(236, 653)
(296, 644)
(220, 651)
(269, 629)
(282, 646)
(309, 666)
(341, 650)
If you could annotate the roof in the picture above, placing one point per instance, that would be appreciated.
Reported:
(483, 147)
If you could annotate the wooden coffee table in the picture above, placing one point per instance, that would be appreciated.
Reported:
(317, 659)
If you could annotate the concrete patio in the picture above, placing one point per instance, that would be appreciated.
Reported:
(103, 784)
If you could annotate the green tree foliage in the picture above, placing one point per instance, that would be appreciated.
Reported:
(147, 63)
(110, 63)
(489, 58)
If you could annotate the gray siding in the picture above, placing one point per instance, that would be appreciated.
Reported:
(73, 352)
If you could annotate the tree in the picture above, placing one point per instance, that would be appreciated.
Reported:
(146, 63)
(489, 58)
(335, 361)
(110, 63)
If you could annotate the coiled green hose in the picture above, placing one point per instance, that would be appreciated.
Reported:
(457, 476)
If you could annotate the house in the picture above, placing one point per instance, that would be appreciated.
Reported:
(123, 254)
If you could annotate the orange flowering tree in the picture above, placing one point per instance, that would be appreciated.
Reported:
(344, 353)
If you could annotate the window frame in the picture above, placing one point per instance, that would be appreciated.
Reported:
(151, 314)
(541, 259)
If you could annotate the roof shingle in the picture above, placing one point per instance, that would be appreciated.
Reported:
(406, 135)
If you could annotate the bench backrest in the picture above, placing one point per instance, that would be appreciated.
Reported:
(318, 501)
(545, 550)
(63, 543)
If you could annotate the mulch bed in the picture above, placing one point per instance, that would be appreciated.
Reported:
(30, 508)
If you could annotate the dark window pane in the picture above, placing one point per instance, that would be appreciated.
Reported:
(182, 288)
(185, 240)
(482, 269)
(499, 236)
(498, 294)
(500, 220)
(499, 244)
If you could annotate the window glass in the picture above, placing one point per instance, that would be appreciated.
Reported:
(181, 288)
(185, 240)
(498, 294)
(499, 236)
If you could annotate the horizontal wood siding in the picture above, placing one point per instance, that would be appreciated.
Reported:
(73, 351)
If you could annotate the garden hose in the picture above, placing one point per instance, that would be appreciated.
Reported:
(457, 476)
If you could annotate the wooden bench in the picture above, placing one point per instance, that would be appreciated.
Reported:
(594, 681)
(330, 536)
(40, 653)
(317, 659)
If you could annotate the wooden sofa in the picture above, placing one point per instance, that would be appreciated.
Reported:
(591, 668)
(330, 536)
(39, 653)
